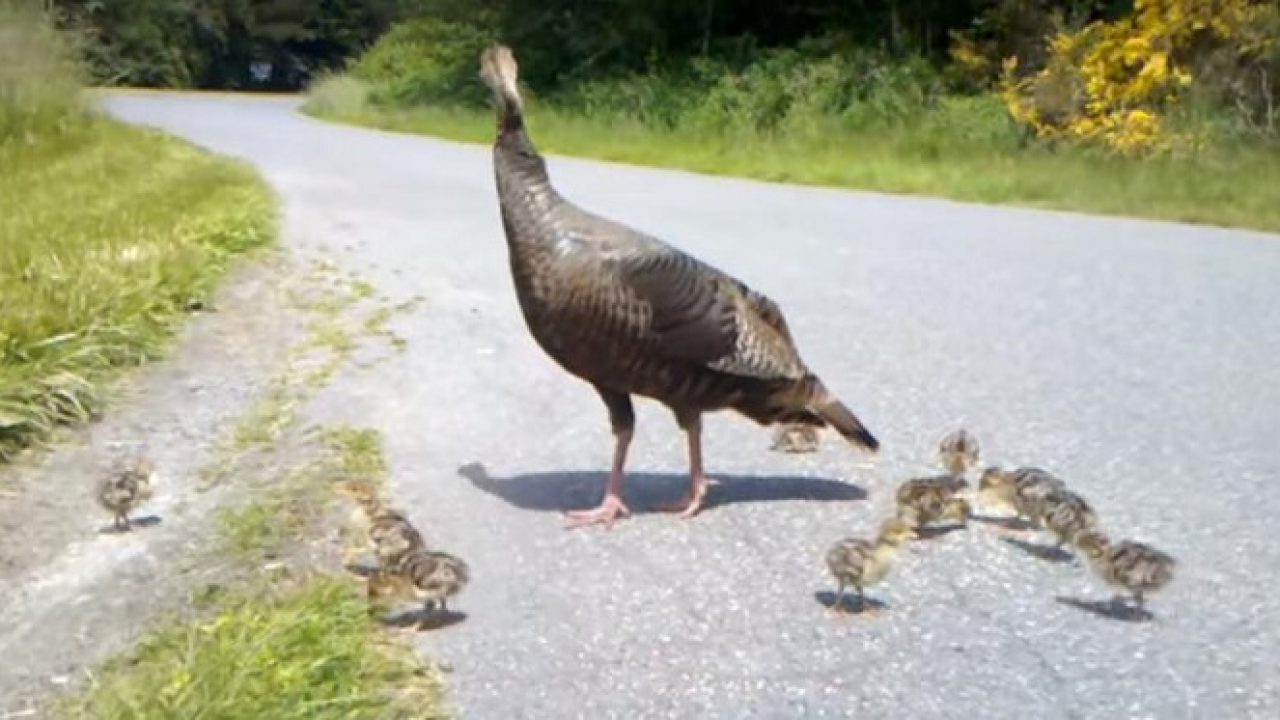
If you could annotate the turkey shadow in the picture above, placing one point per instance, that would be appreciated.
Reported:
(849, 604)
(137, 523)
(643, 492)
(1048, 553)
(1113, 609)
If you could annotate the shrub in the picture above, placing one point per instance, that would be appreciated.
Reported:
(787, 91)
(1114, 81)
(338, 95)
(424, 61)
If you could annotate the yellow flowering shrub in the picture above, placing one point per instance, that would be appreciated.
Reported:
(1112, 81)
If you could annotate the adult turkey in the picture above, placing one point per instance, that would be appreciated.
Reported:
(632, 315)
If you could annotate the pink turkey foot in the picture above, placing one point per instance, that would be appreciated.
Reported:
(691, 505)
(609, 510)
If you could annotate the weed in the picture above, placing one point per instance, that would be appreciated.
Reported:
(358, 450)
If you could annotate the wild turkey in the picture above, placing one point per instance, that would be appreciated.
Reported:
(632, 315)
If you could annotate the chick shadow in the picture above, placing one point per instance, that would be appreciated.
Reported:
(564, 490)
(1113, 609)
(931, 532)
(361, 569)
(1005, 523)
(849, 604)
(138, 523)
(1048, 553)
(420, 620)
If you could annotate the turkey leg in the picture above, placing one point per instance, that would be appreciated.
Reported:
(622, 418)
(697, 478)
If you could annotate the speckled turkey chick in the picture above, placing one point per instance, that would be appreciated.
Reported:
(634, 316)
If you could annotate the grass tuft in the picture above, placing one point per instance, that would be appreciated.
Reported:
(359, 451)
(310, 651)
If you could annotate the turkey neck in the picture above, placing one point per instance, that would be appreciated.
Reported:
(524, 189)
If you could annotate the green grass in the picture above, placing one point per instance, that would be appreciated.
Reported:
(947, 154)
(292, 501)
(358, 451)
(109, 233)
(307, 652)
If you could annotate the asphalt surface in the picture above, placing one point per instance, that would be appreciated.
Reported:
(1135, 359)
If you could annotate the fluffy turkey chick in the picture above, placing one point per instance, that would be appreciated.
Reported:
(1022, 490)
(1129, 565)
(795, 438)
(926, 500)
(388, 530)
(1066, 515)
(864, 563)
(958, 451)
(427, 576)
(125, 489)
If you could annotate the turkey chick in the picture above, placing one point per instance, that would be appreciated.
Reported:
(1022, 490)
(429, 577)
(388, 531)
(1129, 565)
(795, 438)
(926, 500)
(1066, 514)
(125, 489)
(864, 563)
(958, 451)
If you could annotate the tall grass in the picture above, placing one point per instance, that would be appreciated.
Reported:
(39, 77)
(854, 119)
(108, 234)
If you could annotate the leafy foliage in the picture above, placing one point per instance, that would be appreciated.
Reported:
(1114, 81)
(216, 43)
(425, 60)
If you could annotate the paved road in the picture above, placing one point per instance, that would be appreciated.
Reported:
(1137, 359)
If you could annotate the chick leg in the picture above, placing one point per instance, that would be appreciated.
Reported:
(692, 424)
(428, 614)
(864, 608)
(623, 419)
(837, 605)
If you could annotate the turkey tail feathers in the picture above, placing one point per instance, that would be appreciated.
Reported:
(847, 424)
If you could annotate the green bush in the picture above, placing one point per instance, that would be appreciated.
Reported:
(424, 61)
(338, 96)
(788, 91)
